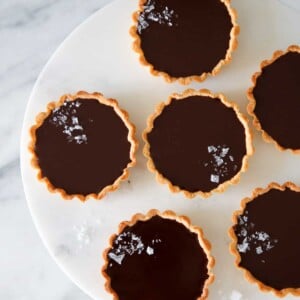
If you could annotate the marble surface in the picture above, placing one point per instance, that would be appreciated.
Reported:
(30, 31)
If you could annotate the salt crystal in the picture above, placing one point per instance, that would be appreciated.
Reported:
(259, 250)
(212, 149)
(214, 178)
(219, 160)
(244, 246)
(75, 120)
(243, 232)
(235, 295)
(117, 258)
(83, 234)
(224, 152)
(245, 218)
(262, 236)
(150, 251)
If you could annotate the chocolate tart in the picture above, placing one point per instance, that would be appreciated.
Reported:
(184, 41)
(158, 256)
(265, 238)
(197, 143)
(83, 145)
(274, 99)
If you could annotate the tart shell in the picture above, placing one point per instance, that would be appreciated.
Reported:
(205, 244)
(220, 188)
(131, 138)
(186, 80)
(252, 102)
(233, 246)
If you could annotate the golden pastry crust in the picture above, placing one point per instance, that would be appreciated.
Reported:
(233, 246)
(233, 43)
(205, 245)
(252, 102)
(220, 188)
(131, 138)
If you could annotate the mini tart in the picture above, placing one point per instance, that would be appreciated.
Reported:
(265, 238)
(274, 99)
(184, 42)
(83, 145)
(198, 143)
(158, 256)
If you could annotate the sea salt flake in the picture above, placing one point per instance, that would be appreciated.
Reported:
(235, 295)
(75, 120)
(269, 246)
(214, 178)
(224, 152)
(262, 236)
(212, 149)
(117, 258)
(150, 251)
(156, 241)
(259, 250)
(219, 161)
(245, 218)
(244, 247)
(83, 234)
(243, 232)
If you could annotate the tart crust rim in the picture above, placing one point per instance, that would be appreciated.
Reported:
(241, 117)
(122, 114)
(233, 243)
(233, 44)
(252, 101)
(168, 214)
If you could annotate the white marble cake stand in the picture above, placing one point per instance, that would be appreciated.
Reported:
(98, 57)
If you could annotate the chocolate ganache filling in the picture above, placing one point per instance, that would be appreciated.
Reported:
(157, 259)
(197, 143)
(82, 146)
(278, 101)
(268, 238)
(184, 38)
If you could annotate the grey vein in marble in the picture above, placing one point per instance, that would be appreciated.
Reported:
(30, 31)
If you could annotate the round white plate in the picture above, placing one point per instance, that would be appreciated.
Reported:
(98, 57)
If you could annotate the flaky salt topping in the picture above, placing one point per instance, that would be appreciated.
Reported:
(65, 117)
(257, 241)
(129, 243)
(151, 13)
(221, 162)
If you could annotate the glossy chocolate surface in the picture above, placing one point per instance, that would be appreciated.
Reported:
(197, 143)
(82, 146)
(268, 238)
(277, 100)
(184, 38)
(157, 259)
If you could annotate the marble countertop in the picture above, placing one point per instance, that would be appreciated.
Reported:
(30, 31)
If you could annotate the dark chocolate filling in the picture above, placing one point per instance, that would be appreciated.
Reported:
(197, 143)
(268, 238)
(184, 38)
(277, 100)
(82, 146)
(157, 259)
